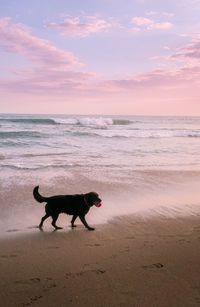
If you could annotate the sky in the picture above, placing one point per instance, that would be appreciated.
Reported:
(123, 57)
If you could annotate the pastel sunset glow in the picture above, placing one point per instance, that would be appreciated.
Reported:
(130, 57)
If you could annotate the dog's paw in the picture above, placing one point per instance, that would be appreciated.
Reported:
(73, 226)
(91, 228)
(57, 228)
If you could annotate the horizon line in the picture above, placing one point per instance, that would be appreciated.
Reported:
(93, 114)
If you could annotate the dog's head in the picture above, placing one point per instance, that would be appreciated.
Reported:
(93, 199)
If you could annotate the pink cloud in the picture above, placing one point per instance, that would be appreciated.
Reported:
(73, 26)
(18, 39)
(160, 26)
(149, 24)
(190, 53)
(53, 69)
(160, 79)
(46, 82)
(187, 76)
(53, 72)
(141, 21)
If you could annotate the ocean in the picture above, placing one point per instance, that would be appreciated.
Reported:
(136, 163)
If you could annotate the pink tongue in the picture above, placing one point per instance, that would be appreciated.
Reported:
(98, 205)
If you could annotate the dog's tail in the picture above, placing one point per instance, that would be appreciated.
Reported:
(37, 195)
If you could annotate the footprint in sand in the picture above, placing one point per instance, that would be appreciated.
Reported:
(100, 271)
(154, 265)
(28, 281)
(94, 245)
(49, 286)
(32, 300)
(72, 275)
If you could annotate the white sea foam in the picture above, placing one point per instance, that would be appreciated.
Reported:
(85, 121)
(120, 142)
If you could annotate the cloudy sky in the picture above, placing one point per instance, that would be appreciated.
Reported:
(135, 57)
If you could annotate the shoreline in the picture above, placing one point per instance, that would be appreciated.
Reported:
(130, 261)
(148, 194)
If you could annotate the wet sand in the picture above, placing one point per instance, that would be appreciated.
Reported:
(129, 262)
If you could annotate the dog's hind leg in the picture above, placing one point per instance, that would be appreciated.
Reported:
(43, 219)
(55, 217)
(73, 220)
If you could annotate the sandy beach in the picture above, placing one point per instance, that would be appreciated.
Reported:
(129, 262)
(145, 250)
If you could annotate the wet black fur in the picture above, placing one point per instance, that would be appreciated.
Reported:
(76, 205)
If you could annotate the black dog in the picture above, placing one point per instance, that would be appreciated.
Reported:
(76, 205)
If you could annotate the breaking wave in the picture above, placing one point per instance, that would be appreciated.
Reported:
(86, 121)
(81, 121)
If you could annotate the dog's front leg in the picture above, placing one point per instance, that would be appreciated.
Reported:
(82, 218)
(73, 220)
